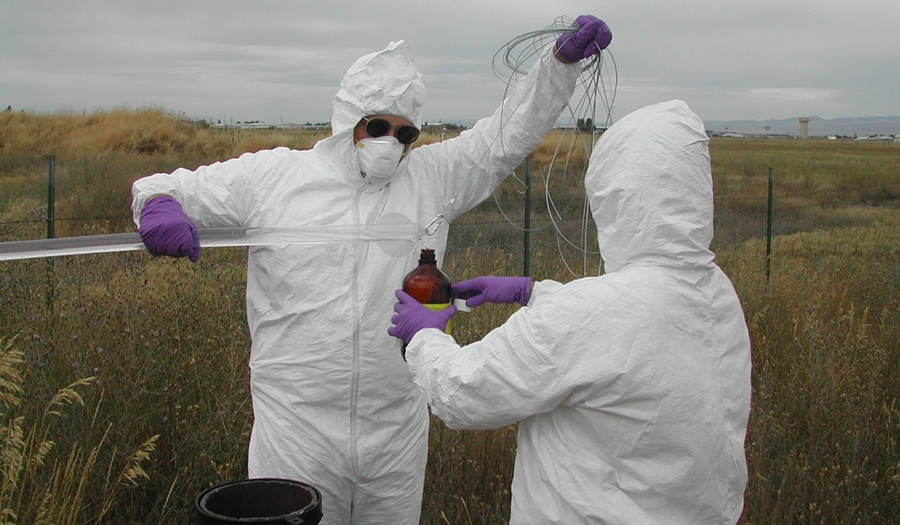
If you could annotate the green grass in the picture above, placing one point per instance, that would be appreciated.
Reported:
(156, 347)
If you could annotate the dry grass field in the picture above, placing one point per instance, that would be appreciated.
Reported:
(123, 378)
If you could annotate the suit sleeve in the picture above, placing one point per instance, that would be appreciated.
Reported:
(518, 370)
(215, 196)
(466, 170)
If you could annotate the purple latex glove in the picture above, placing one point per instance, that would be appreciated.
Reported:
(412, 317)
(592, 35)
(166, 230)
(488, 289)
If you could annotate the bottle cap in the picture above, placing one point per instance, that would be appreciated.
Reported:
(460, 305)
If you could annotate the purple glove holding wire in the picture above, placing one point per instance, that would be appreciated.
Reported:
(591, 36)
(167, 230)
(412, 317)
(488, 289)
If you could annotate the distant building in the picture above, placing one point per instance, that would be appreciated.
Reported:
(804, 127)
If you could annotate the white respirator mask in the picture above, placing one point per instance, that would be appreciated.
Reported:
(378, 158)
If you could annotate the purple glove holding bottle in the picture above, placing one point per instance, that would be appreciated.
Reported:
(487, 289)
(412, 316)
(591, 36)
(167, 230)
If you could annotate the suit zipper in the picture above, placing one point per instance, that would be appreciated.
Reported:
(354, 379)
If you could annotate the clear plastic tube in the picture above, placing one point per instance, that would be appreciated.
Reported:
(212, 237)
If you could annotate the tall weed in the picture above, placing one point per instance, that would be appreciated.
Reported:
(52, 476)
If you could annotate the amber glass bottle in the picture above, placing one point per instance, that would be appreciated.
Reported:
(428, 285)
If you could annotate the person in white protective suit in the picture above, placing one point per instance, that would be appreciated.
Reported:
(631, 389)
(331, 407)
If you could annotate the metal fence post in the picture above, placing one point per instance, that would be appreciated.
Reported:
(51, 196)
(769, 229)
(51, 225)
(527, 241)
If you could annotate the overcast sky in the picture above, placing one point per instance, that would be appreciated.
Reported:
(281, 61)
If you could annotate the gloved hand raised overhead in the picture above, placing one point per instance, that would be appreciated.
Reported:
(488, 289)
(167, 230)
(592, 36)
(412, 317)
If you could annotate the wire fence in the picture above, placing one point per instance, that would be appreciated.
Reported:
(518, 222)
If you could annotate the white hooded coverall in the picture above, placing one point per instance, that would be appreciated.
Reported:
(334, 404)
(631, 389)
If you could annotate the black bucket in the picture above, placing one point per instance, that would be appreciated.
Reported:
(260, 500)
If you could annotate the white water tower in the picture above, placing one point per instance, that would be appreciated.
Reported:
(804, 127)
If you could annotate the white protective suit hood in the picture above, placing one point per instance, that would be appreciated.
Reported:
(382, 83)
(650, 188)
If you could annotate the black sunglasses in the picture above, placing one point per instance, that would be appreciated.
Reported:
(379, 127)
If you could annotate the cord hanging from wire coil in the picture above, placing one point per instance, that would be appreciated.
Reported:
(595, 94)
